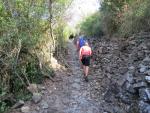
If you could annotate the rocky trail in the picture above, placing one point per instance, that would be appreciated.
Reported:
(70, 94)
(118, 81)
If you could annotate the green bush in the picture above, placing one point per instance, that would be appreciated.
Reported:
(136, 19)
(125, 17)
(91, 26)
(19, 36)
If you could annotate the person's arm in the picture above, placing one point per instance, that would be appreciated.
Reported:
(91, 56)
(77, 44)
(90, 52)
(80, 53)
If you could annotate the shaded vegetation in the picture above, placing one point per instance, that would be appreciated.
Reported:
(30, 31)
(92, 25)
(119, 17)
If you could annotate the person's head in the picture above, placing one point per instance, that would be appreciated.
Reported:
(81, 33)
(86, 43)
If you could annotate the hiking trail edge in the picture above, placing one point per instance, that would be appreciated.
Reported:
(69, 95)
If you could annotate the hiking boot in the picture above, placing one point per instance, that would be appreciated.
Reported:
(86, 79)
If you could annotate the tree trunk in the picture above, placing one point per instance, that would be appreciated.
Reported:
(50, 22)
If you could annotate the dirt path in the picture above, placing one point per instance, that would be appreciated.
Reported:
(79, 91)
(73, 94)
(70, 94)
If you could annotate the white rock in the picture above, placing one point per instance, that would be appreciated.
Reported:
(148, 72)
(131, 69)
(147, 59)
(142, 68)
(36, 97)
(25, 109)
(37, 108)
(129, 77)
(32, 88)
(147, 78)
(41, 87)
(18, 104)
(44, 105)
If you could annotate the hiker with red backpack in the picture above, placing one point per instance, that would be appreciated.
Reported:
(85, 56)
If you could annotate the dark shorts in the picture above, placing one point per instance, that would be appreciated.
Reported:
(86, 60)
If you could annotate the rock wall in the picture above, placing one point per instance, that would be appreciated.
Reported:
(121, 69)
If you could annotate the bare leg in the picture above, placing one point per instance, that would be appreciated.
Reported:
(82, 66)
(86, 70)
